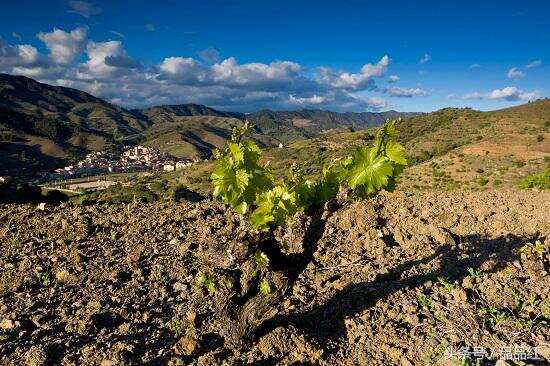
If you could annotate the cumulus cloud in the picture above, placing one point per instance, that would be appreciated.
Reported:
(64, 46)
(109, 72)
(396, 91)
(425, 58)
(16, 35)
(515, 74)
(274, 76)
(533, 64)
(509, 93)
(105, 60)
(475, 66)
(183, 70)
(393, 78)
(83, 8)
(361, 80)
(22, 55)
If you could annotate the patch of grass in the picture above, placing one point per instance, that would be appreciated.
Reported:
(43, 278)
(474, 273)
(519, 163)
(482, 181)
(537, 248)
(538, 180)
(448, 286)
(424, 301)
(176, 326)
(206, 282)
(493, 315)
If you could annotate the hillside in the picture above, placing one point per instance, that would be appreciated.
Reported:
(448, 149)
(307, 123)
(42, 126)
(169, 113)
(195, 136)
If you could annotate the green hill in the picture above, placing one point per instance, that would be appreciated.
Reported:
(44, 126)
(170, 113)
(307, 123)
(448, 149)
(196, 136)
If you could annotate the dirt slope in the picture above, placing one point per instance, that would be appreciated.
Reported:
(397, 280)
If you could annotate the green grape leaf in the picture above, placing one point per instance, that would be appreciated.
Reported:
(396, 152)
(328, 186)
(389, 129)
(273, 207)
(237, 153)
(369, 171)
(260, 218)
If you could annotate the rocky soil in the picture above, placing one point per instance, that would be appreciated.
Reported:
(398, 280)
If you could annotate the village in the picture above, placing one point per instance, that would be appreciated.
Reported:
(132, 159)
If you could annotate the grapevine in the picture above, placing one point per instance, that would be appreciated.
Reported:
(241, 181)
(260, 281)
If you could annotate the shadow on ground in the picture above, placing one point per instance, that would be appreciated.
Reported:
(324, 324)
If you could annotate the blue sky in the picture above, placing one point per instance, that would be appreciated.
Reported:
(245, 55)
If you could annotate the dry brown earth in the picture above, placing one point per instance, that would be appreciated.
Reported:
(394, 281)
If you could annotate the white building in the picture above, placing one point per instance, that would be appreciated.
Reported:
(183, 163)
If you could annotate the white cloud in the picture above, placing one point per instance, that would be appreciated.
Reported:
(475, 66)
(515, 74)
(393, 78)
(361, 80)
(184, 70)
(18, 55)
(106, 60)
(273, 76)
(83, 8)
(509, 93)
(425, 58)
(315, 99)
(64, 46)
(533, 64)
(109, 72)
(396, 91)
(16, 35)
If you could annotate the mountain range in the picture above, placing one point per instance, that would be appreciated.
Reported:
(44, 126)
